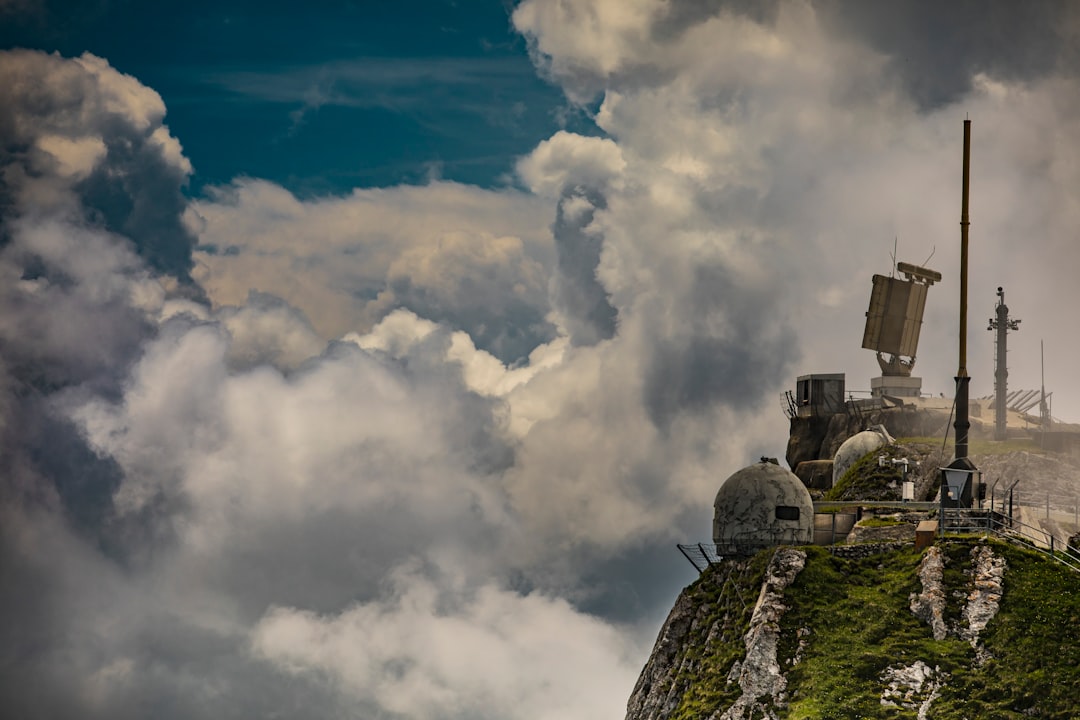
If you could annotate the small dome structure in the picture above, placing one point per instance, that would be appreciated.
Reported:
(855, 447)
(762, 506)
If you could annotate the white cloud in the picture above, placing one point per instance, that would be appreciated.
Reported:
(493, 654)
(582, 44)
(566, 160)
(471, 258)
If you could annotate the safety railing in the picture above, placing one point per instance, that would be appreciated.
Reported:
(962, 520)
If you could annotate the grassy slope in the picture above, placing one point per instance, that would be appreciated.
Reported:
(859, 622)
(730, 598)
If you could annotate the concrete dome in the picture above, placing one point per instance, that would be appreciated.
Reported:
(855, 447)
(761, 506)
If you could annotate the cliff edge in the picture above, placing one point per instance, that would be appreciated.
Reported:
(969, 628)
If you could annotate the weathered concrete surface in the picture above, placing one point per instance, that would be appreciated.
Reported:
(746, 515)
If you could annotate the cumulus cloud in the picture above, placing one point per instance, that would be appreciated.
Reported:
(798, 137)
(423, 451)
(473, 259)
(80, 137)
(404, 656)
(566, 160)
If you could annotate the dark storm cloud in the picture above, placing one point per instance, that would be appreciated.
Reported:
(589, 315)
(682, 14)
(935, 48)
(732, 343)
(136, 193)
(80, 132)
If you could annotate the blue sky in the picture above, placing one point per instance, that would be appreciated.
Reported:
(334, 96)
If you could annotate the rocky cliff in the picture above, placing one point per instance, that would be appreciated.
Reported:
(819, 437)
(965, 629)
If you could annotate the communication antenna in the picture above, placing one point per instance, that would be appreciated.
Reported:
(1002, 323)
(963, 424)
(1044, 411)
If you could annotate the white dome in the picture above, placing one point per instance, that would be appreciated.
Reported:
(855, 447)
(761, 506)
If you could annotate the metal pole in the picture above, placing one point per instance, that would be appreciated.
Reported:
(944, 490)
(962, 424)
(1001, 372)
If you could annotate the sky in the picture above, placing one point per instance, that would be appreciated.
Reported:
(369, 360)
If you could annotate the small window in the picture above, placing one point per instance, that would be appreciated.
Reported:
(804, 392)
(787, 512)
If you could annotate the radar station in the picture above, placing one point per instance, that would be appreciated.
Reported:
(892, 328)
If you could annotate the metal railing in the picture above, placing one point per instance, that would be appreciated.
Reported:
(700, 555)
(745, 544)
(953, 520)
(963, 520)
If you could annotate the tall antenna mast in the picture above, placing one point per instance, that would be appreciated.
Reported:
(962, 424)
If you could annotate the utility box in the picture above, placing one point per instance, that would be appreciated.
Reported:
(819, 395)
(908, 492)
(925, 533)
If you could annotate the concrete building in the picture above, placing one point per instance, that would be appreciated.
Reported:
(762, 506)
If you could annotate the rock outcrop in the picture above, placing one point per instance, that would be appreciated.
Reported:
(818, 438)
(929, 605)
(759, 674)
(830, 636)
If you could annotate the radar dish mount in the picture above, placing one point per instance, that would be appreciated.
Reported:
(895, 316)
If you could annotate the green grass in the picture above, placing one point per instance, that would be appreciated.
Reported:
(865, 480)
(729, 594)
(859, 622)
(1034, 643)
(875, 521)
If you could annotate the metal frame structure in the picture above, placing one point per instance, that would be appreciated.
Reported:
(1002, 323)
